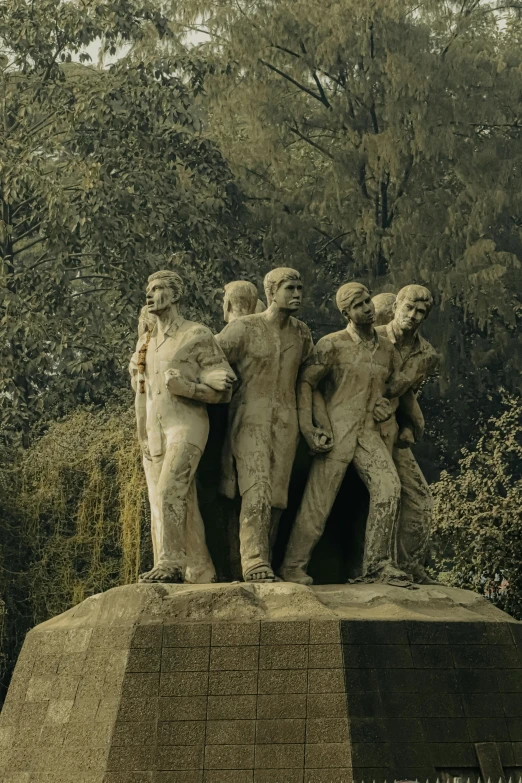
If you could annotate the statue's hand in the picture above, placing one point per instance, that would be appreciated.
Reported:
(319, 440)
(219, 379)
(175, 382)
(405, 439)
(382, 410)
(145, 449)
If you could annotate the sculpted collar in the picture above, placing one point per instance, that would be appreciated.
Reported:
(392, 336)
(169, 332)
(358, 339)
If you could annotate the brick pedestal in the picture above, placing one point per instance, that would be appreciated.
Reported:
(108, 697)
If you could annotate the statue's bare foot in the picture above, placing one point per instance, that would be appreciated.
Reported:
(420, 577)
(164, 574)
(391, 575)
(296, 575)
(262, 573)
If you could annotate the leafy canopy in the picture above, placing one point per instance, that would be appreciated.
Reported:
(381, 140)
(103, 173)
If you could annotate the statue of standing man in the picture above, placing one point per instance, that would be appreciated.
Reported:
(266, 351)
(356, 370)
(418, 360)
(177, 368)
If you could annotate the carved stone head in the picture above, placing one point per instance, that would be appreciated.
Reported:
(355, 303)
(384, 312)
(412, 307)
(284, 288)
(164, 289)
(240, 300)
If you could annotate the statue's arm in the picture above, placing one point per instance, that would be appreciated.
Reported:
(314, 422)
(411, 414)
(181, 387)
(215, 374)
(304, 406)
(319, 412)
(398, 384)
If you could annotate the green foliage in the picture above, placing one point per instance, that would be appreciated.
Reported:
(380, 140)
(73, 518)
(478, 514)
(103, 173)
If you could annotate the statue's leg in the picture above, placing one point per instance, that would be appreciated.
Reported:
(325, 478)
(374, 464)
(254, 533)
(275, 519)
(152, 468)
(415, 515)
(177, 473)
(200, 569)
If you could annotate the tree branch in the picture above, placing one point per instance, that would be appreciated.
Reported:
(90, 291)
(373, 115)
(330, 242)
(317, 82)
(41, 260)
(312, 143)
(401, 189)
(28, 232)
(91, 277)
(293, 81)
(29, 246)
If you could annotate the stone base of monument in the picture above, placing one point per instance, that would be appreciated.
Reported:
(273, 683)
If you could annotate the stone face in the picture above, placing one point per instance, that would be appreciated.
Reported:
(279, 698)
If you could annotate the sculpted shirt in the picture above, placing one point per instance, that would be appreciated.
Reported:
(263, 425)
(352, 375)
(189, 348)
(417, 363)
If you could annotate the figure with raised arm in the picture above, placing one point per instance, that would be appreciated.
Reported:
(356, 370)
(177, 369)
(266, 351)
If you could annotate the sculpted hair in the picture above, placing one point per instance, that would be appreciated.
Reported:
(172, 279)
(416, 293)
(277, 277)
(347, 293)
(242, 295)
(383, 304)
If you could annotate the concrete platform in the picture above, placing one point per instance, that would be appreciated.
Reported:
(272, 683)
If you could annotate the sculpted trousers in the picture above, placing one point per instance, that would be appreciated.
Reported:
(375, 467)
(178, 533)
(416, 511)
(258, 523)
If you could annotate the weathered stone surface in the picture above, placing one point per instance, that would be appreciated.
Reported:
(310, 684)
(178, 605)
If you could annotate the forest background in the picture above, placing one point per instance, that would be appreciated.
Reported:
(377, 140)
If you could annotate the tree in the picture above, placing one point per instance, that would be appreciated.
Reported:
(74, 519)
(103, 174)
(380, 140)
(478, 514)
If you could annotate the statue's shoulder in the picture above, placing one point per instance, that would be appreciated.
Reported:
(431, 354)
(384, 340)
(196, 330)
(256, 320)
(382, 330)
(332, 340)
(300, 326)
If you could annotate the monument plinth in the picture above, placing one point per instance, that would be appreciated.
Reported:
(266, 683)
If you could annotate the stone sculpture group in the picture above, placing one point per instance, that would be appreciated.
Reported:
(352, 397)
